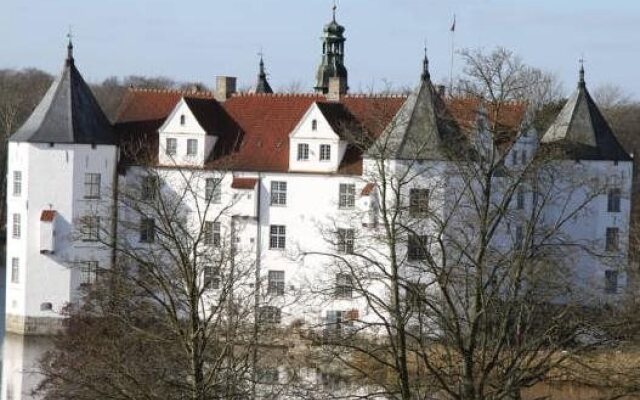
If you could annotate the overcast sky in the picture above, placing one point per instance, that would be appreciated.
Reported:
(191, 40)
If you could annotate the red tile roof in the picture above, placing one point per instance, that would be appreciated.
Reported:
(48, 215)
(367, 189)
(244, 183)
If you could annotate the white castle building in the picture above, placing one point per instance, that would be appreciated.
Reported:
(282, 170)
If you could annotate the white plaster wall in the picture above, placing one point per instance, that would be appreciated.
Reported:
(324, 134)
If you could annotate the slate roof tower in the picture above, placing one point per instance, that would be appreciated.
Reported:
(262, 86)
(332, 64)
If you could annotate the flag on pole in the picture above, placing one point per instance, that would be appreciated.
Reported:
(453, 26)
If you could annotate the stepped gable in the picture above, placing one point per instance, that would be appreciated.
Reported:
(580, 131)
(68, 113)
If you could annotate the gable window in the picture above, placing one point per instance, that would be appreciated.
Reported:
(269, 315)
(278, 193)
(149, 188)
(213, 190)
(88, 272)
(613, 200)
(16, 226)
(171, 146)
(212, 233)
(520, 199)
(314, 125)
(15, 270)
(211, 277)
(347, 195)
(519, 237)
(344, 286)
(303, 152)
(325, 152)
(91, 186)
(417, 247)
(611, 281)
(147, 230)
(346, 238)
(612, 239)
(277, 237)
(183, 120)
(90, 228)
(192, 147)
(17, 183)
(276, 283)
(418, 202)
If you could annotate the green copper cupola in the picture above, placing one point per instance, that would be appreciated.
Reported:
(332, 64)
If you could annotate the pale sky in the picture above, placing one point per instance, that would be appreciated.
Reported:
(195, 40)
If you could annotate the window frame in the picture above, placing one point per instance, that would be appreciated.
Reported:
(16, 226)
(611, 281)
(614, 197)
(149, 187)
(278, 193)
(15, 270)
(343, 288)
(212, 233)
(276, 282)
(213, 190)
(88, 272)
(347, 196)
(419, 202)
(346, 240)
(325, 152)
(417, 247)
(92, 183)
(147, 230)
(192, 147)
(211, 277)
(171, 146)
(303, 152)
(520, 199)
(612, 239)
(269, 315)
(277, 237)
(17, 183)
(90, 228)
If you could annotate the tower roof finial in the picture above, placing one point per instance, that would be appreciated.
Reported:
(581, 82)
(425, 65)
(70, 46)
(335, 7)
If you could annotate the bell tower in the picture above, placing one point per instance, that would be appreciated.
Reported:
(332, 64)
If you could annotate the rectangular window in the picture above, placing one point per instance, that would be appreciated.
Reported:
(212, 233)
(213, 190)
(514, 157)
(339, 320)
(147, 230)
(613, 200)
(88, 272)
(277, 237)
(269, 315)
(17, 226)
(91, 186)
(344, 286)
(90, 228)
(418, 202)
(149, 188)
(611, 281)
(613, 239)
(192, 147)
(346, 239)
(520, 199)
(15, 270)
(523, 157)
(171, 147)
(17, 183)
(211, 277)
(303, 151)
(278, 193)
(417, 247)
(347, 195)
(519, 237)
(325, 152)
(276, 283)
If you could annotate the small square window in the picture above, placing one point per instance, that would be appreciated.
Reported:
(303, 152)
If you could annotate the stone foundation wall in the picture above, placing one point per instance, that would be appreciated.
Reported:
(22, 325)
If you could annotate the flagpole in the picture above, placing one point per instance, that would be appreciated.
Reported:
(453, 32)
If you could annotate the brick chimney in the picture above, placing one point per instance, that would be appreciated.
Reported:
(337, 88)
(225, 87)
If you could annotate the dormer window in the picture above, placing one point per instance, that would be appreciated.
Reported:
(183, 120)
(325, 152)
(303, 152)
(314, 125)
(192, 147)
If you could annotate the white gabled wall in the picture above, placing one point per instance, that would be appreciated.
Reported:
(173, 128)
(304, 133)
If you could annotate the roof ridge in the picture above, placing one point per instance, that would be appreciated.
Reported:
(279, 94)
(171, 91)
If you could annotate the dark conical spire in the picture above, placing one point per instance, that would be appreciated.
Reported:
(425, 66)
(68, 112)
(263, 84)
(581, 82)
